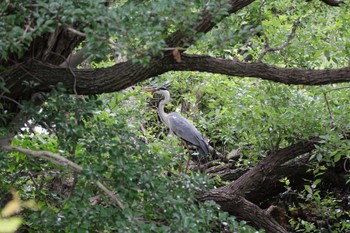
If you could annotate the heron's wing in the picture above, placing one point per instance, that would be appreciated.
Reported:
(186, 130)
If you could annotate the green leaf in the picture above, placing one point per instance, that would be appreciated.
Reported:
(337, 157)
(9, 225)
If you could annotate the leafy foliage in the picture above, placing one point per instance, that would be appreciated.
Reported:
(118, 139)
(100, 138)
(22, 21)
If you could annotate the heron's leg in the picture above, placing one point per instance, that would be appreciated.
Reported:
(182, 142)
(188, 162)
(189, 157)
(180, 169)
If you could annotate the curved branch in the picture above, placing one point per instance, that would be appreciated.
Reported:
(268, 48)
(244, 209)
(232, 196)
(73, 60)
(62, 161)
(264, 71)
(250, 182)
(125, 74)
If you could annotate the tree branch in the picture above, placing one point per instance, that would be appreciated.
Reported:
(264, 71)
(62, 161)
(74, 60)
(268, 48)
(125, 74)
(113, 196)
(244, 209)
(231, 196)
(181, 39)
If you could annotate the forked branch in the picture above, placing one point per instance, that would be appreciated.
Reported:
(268, 47)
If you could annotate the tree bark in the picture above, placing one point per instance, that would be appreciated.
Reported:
(40, 65)
(294, 169)
(231, 197)
(125, 74)
(244, 209)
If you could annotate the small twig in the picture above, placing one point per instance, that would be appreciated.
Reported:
(75, 80)
(268, 48)
(12, 100)
(337, 89)
(328, 107)
(27, 28)
(143, 130)
(41, 185)
(33, 180)
(267, 43)
(79, 33)
(30, 74)
(171, 49)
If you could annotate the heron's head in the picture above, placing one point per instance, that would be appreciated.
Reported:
(156, 89)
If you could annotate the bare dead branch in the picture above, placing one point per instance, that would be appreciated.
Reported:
(113, 196)
(47, 155)
(79, 33)
(75, 59)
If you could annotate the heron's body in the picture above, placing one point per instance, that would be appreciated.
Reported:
(195, 137)
(180, 126)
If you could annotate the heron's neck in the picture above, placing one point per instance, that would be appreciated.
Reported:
(163, 115)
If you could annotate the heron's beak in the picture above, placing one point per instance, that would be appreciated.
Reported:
(150, 89)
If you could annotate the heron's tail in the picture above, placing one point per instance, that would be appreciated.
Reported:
(203, 148)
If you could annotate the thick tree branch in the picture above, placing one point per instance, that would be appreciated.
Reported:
(125, 74)
(252, 181)
(264, 71)
(244, 209)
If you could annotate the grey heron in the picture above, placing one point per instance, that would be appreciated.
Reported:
(179, 125)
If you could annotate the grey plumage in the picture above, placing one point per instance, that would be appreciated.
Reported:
(180, 126)
(186, 131)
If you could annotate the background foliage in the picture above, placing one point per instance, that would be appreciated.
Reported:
(118, 139)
